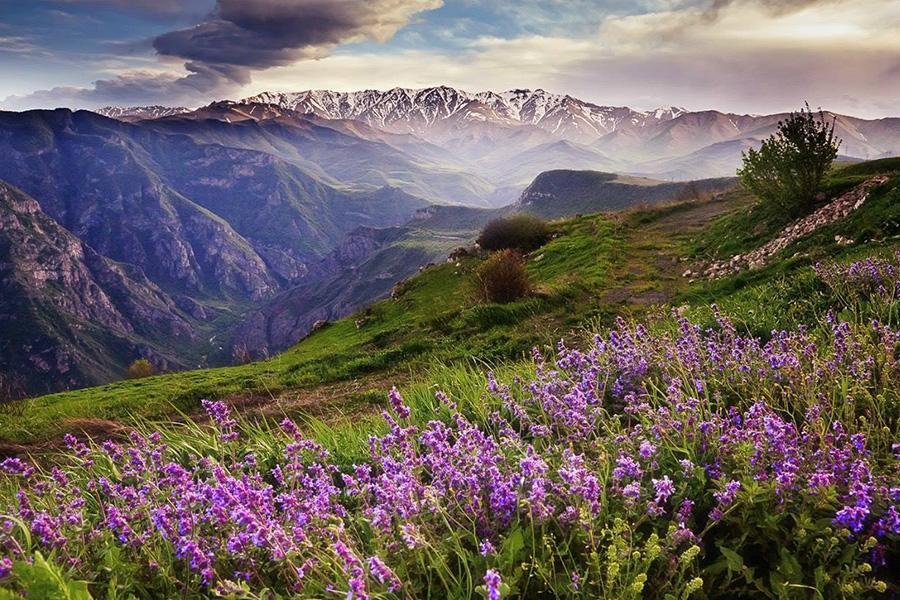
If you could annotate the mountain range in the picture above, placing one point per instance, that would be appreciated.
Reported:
(191, 236)
(499, 135)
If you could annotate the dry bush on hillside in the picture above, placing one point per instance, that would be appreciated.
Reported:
(140, 368)
(502, 278)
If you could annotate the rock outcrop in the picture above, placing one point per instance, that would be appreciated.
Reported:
(836, 210)
(70, 316)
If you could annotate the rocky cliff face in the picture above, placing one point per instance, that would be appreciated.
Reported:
(362, 269)
(91, 177)
(70, 316)
(157, 238)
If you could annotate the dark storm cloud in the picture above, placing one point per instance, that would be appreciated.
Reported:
(259, 34)
(165, 9)
(237, 38)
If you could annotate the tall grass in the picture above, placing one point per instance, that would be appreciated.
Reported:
(663, 460)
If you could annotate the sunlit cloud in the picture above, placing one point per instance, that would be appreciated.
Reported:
(737, 55)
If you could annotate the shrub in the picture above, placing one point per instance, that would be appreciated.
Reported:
(140, 368)
(789, 167)
(518, 232)
(502, 278)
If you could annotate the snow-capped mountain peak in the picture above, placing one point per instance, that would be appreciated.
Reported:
(138, 113)
(422, 111)
(666, 113)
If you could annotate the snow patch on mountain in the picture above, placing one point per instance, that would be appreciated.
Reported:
(420, 110)
(138, 113)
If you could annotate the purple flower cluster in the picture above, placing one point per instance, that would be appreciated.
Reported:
(874, 279)
(672, 430)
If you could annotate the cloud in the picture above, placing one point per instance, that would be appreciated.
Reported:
(17, 44)
(163, 9)
(757, 55)
(240, 37)
(265, 33)
(129, 88)
(841, 56)
(774, 6)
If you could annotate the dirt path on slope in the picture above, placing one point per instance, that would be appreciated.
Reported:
(650, 269)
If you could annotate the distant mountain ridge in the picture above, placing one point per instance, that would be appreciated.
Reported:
(663, 132)
(416, 110)
(505, 137)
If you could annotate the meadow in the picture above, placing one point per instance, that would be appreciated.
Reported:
(739, 438)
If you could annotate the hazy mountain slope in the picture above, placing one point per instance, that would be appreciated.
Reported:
(205, 216)
(364, 268)
(71, 317)
(351, 155)
(217, 228)
(277, 207)
(369, 263)
(565, 193)
(720, 159)
(523, 167)
(94, 179)
(692, 131)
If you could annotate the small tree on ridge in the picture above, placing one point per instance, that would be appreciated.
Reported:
(789, 167)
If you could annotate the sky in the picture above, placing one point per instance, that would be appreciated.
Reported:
(744, 56)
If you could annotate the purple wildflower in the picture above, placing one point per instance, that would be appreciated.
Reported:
(492, 582)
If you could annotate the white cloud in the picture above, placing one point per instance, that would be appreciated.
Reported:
(746, 57)
(743, 56)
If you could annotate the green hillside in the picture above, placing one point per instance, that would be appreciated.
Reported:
(596, 268)
(689, 439)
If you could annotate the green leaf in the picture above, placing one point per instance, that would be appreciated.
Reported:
(45, 579)
(512, 546)
(790, 567)
(734, 560)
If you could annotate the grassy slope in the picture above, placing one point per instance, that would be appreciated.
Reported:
(783, 293)
(598, 267)
(431, 322)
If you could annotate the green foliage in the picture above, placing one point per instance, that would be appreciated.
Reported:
(45, 579)
(753, 552)
(789, 167)
(501, 278)
(518, 232)
(140, 368)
